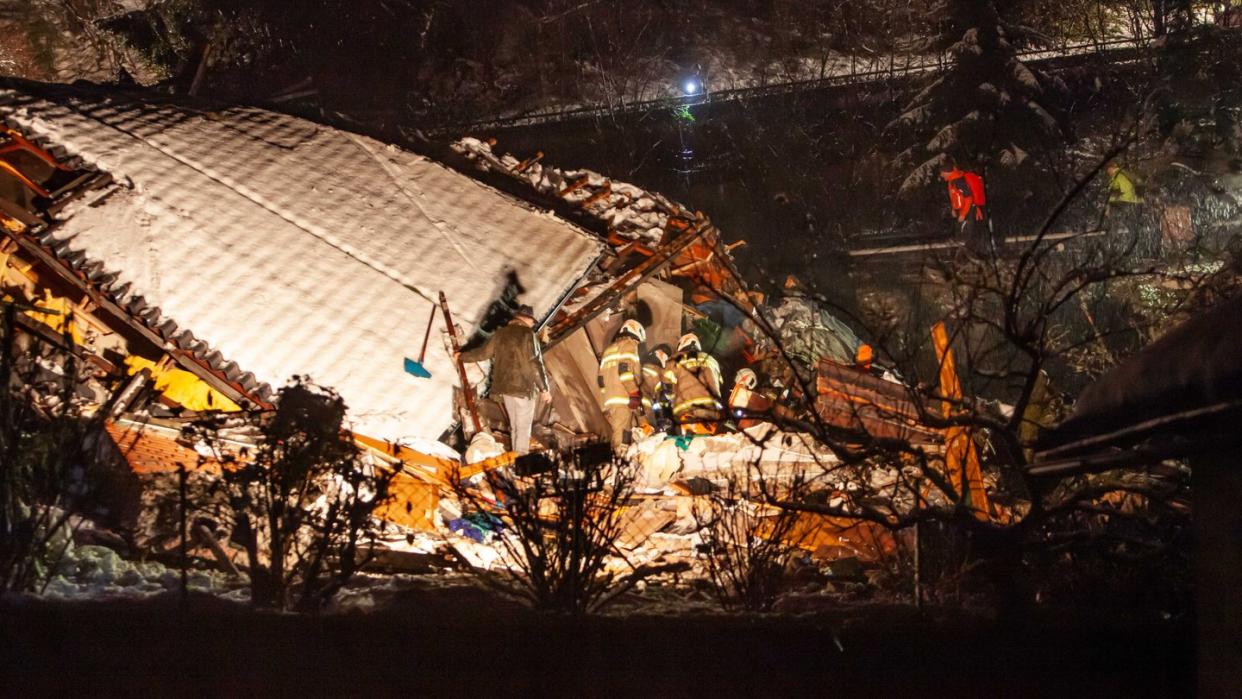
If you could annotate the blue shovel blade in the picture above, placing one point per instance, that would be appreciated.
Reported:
(416, 369)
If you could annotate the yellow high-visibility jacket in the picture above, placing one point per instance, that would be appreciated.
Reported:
(1122, 190)
(696, 382)
(620, 370)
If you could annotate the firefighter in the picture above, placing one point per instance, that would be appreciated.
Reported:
(968, 201)
(746, 404)
(695, 385)
(620, 373)
(655, 385)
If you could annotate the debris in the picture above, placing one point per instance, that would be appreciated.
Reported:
(641, 522)
(483, 446)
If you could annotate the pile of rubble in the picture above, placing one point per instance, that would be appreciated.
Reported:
(630, 211)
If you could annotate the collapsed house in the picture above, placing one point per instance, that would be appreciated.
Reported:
(199, 256)
(246, 247)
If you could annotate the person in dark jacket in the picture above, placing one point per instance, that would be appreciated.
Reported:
(519, 379)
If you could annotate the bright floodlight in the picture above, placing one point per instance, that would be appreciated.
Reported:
(691, 87)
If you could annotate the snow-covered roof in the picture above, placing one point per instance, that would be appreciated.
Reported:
(626, 209)
(294, 248)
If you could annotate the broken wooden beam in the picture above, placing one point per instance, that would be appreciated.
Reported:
(575, 185)
(525, 164)
(603, 193)
(627, 281)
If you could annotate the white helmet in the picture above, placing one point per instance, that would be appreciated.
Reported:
(635, 328)
(689, 340)
(746, 378)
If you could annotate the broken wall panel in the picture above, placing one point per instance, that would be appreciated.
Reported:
(852, 399)
(572, 367)
(664, 303)
(601, 329)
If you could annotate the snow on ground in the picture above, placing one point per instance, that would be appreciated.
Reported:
(730, 456)
(99, 573)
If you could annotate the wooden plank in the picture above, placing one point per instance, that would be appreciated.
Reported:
(187, 361)
(961, 456)
(412, 503)
(638, 523)
(204, 535)
(824, 536)
(865, 419)
(430, 465)
(17, 213)
(853, 399)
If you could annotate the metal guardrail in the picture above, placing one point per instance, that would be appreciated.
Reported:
(926, 247)
(888, 69)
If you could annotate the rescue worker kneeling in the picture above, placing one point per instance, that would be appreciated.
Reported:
(619, 377)
(694, 381)
(747, 405)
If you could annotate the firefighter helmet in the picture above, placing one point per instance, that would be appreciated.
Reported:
(687, 341)
(635, 329)
(661, 353)
(746, 379)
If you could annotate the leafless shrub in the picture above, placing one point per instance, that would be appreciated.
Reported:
(750, 543)
(559, 529)
(42, 448)
(302, 505)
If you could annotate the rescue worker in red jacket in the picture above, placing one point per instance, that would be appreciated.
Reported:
(968, 204)
(619, 377)
(695, 382)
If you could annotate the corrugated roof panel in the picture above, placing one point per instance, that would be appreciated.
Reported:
(294, 248)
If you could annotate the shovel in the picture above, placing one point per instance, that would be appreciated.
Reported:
(417, 369)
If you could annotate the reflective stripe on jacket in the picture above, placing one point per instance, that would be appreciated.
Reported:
(619, 370)
(695, 382)
(652, 383)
